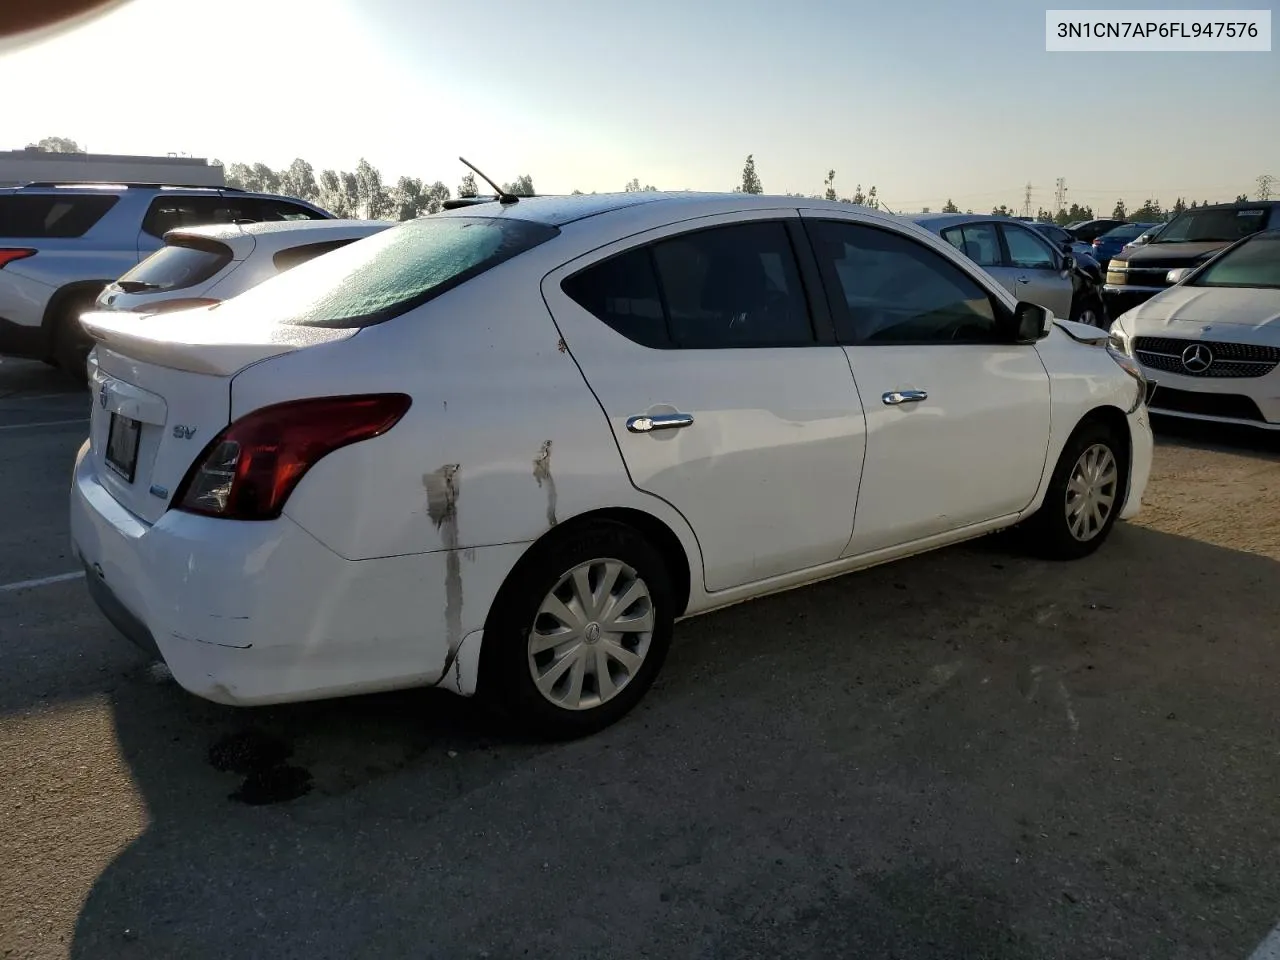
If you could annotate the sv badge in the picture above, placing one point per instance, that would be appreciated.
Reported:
(181, 432)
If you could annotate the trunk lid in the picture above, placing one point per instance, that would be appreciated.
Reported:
(161, 390)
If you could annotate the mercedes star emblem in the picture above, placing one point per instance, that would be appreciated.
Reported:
(1197, 358)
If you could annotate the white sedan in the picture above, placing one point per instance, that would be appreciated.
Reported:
(1213, 339)
(502, 449)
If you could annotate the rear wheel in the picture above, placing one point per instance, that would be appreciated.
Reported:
(1090, 310)
(1085, 496)
(579, 632)
(71, 344)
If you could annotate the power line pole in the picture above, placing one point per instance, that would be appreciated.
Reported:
(1026, 203)
(1060, 195)
(1264, 186)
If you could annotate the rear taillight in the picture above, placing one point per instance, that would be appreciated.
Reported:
(7, 256)
(169, 306)
(248, 471)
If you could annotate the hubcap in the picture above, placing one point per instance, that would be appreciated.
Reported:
(1091, 492)
(591, 634)
(1089, 317)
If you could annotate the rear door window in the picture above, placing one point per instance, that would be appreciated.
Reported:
(177, 266)
(264, 209)
(52, 216)
(169, 212)
(977, 241)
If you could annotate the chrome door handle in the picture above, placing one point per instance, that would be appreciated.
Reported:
(1023, 280)
(659, 421)
(895, 397)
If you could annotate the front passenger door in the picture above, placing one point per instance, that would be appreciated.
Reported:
(957, 416)
(1036, 270)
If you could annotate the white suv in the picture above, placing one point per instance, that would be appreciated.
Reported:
(200, 266)
(502, 449)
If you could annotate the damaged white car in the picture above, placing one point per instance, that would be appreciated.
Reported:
(504, 448)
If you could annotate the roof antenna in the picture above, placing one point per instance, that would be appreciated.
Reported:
(503, 196)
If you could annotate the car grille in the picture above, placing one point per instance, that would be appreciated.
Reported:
(1239, 360)
(1144, 277)
(1228, 405)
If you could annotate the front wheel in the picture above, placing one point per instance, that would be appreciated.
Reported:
(71, 344)
(579, 632)
(1085, 496)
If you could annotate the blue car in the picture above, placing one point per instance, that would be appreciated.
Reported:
(1112, 242)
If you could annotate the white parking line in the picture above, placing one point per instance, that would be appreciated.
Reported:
(45, 423)
(1268, 949)
(40, 581)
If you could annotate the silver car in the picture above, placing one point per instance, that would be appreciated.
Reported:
(1024, 262)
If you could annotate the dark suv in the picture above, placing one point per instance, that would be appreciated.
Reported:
(1191, 238)
(60, 244)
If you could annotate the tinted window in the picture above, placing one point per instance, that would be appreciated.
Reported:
(1209, 225)
(623, 292)
(176, 266)
(977, 241)
(170, 212)
(1255, 263)
(51, 216)
(1027, 250)
(898, 291)
(735, 286)
(263, 210)
(1129, 231)
(292, 257)
(389, 273)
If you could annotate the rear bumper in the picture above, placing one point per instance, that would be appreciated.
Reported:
(256, 613)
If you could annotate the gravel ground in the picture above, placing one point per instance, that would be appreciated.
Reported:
(967, 754)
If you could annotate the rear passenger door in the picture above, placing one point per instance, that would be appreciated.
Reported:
(710, 350)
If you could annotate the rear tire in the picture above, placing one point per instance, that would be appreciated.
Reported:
(1085, 496)
(578, 632)
(71, 344)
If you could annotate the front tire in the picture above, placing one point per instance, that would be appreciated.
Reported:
(579, 631)
(1084, 498)
(1092, 311)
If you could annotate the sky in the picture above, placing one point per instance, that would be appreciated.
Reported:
(925, 99)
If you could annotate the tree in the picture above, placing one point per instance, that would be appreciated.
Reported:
(1044, 216)
(372, 199)
(750, 181)
(240, 175)
(56, 145)
(830, 184)
(1148, 212)
(520, 187)
(468, 186)
(1179, 206)
(577, 193)
(1001, 211)
(434, 197)
(950, 207)
(1074, 215)
(300, 180)
(407, 200)
(1242, 198)
(1119, 213)
(634, 187)
(268, 181)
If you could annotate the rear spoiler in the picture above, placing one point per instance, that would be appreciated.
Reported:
(200, 342)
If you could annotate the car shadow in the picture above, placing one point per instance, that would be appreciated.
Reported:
(1217, 437)
(964, 754)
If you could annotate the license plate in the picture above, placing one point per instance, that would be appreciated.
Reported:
(122, 446)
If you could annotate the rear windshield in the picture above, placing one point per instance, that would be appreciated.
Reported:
(1202, 226)
(1129, 231)
(1255, 263)
(51, 216)
(177, 265)
(389, 273)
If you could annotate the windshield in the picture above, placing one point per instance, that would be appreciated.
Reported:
(389, 273)
(1128, 232)
(1255, 263)
(1224, 224)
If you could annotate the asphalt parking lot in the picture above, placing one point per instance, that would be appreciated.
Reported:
(968, 754)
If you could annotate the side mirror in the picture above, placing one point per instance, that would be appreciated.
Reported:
(1031, 322)
(1178, 274)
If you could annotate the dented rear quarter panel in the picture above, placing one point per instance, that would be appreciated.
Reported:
(504, 440)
